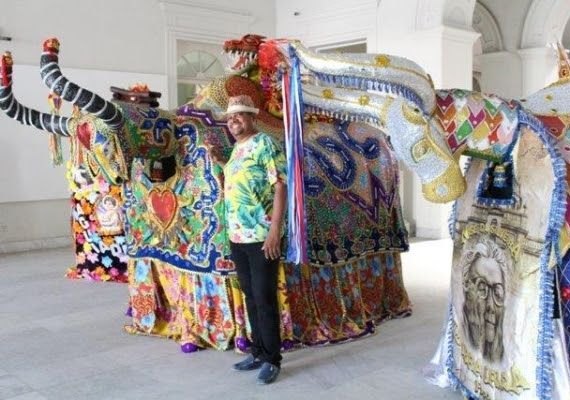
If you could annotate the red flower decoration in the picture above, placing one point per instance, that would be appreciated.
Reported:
(183, 249)
(565, 293)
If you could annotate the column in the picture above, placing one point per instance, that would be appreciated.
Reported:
(539, 68)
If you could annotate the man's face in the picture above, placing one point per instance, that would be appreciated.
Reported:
(241, 125)
(488, 283)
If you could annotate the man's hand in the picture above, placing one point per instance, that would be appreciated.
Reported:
(216, 153)
(272, 245)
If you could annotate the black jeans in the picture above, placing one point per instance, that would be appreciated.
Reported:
(258, 280)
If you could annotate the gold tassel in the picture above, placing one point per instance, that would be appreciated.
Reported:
(55, 149)
(55, 139)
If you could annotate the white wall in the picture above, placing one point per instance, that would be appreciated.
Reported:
(321, 22)
(115, 35)
(103, 43)
(28, 225)
(501, 74)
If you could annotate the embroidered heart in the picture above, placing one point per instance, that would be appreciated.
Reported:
(164, 205)
(84, 131)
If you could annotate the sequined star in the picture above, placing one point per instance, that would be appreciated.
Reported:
(382, 60)
(364, 100)
(328, 94)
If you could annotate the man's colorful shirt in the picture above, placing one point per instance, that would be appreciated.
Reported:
(253, 168)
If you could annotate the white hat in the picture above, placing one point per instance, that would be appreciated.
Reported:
(241, 103)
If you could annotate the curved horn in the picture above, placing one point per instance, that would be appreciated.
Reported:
(376, 72)
(27, 116)
(69, 91)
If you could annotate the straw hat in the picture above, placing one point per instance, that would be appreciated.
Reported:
(241, 103)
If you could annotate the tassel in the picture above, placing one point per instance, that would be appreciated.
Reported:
(55, 149)
(54, 139)
(293, 119)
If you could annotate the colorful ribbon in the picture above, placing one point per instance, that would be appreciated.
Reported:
(293, 119)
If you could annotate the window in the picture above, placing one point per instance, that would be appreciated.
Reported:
(195, 70)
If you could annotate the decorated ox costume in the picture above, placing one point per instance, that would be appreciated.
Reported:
(508, 328)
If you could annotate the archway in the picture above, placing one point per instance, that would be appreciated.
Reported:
(545, 23)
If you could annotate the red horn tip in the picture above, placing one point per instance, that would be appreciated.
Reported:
(7, 58)
(52, 45)
(6, 69)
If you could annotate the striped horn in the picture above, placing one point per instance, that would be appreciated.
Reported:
(87, 101)
(27, 116)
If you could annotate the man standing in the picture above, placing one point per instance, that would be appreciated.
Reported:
(255, 196)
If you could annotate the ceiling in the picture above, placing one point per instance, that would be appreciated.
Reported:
(510, 17)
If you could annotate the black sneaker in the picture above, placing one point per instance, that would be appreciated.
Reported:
(267, 374)
(248, 364)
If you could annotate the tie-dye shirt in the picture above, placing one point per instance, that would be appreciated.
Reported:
(253, 168)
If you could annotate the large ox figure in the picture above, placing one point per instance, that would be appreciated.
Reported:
(96, 218)
(508, 330)
(182, 284)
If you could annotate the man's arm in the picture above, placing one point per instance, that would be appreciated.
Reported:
(272, 245)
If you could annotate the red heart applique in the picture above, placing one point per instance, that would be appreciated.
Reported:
(84, 131)
(164, 205)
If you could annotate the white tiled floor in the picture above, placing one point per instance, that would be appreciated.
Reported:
(62, 339)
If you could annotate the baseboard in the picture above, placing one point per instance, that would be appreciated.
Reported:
(38, 244)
